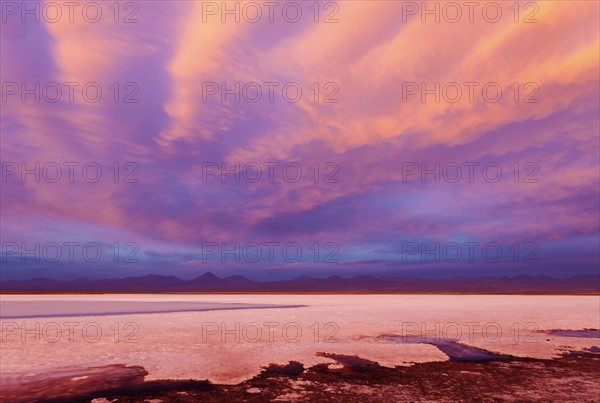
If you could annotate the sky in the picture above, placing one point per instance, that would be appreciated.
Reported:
(291, 139)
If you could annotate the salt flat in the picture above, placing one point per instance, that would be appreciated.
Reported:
(231, 345)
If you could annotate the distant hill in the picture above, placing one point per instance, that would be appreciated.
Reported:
(209, 282)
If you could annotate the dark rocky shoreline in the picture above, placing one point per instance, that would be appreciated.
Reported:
(574, 377)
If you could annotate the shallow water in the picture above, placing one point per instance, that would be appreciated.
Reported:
(455, 350)
(586, 334)
(62, 309)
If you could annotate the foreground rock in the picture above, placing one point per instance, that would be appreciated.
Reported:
(85, 384)
(69, 384)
